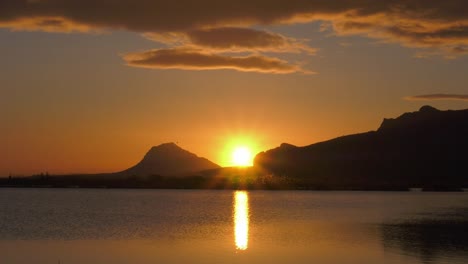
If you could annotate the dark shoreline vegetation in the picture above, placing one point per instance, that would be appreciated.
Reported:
(216, 179)
(426, 149)
(233, 182)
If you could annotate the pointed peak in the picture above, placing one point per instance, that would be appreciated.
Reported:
(170, 159)
(167, 149)
(169, 145)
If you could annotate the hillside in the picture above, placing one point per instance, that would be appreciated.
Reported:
(426, 148)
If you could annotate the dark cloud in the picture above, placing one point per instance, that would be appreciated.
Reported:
(461, 97)
(180, 15)
(231, 39)
(165, 15)
(450, 39)
(190, 59)
(234, 39)
(422, 24)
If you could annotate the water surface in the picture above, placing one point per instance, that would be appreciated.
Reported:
(199, 226)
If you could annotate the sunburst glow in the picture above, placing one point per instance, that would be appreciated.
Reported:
(241, 219)
(242, 156)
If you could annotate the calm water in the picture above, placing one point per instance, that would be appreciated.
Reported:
(171, 226)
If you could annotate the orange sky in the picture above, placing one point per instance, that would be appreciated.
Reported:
(91, 91)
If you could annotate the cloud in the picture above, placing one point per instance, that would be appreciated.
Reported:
(191, 59)
(164, 15)
(46, 24)
(430, 97)
(232, 39)
(447, 38)
(440, 27)
(205, 49)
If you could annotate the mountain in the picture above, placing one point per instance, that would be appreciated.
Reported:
(427, 148)
(167, 160)
(157, 169)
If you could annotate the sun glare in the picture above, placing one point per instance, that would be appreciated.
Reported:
(241, 219)
(242, 156)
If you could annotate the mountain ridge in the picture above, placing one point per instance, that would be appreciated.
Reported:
(422, 148)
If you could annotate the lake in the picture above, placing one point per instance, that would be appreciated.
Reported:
(70, 226)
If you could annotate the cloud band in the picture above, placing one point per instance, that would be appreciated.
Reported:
(189, 59)
(430, 97)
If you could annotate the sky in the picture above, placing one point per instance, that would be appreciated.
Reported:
(90, 86)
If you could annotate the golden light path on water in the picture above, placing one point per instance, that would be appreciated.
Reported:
(241, 219)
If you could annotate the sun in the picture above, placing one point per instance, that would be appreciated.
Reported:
(239, 149)
(242, 156)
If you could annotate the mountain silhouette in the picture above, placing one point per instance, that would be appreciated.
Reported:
(169, 159)
(427, 148)
(424, 149)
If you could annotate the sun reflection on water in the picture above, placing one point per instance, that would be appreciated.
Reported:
(241, 219)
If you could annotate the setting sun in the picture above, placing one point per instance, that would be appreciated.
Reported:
(240, 148)
(242, 156)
